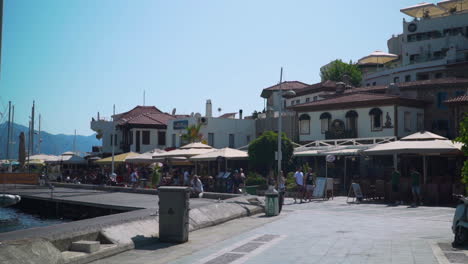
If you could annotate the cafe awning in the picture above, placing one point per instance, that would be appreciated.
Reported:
(227, 153)
(117, 158)
(146, 157)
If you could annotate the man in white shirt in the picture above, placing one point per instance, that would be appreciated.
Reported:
(197, 186)
(299, 176)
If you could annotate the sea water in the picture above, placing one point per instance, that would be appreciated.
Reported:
(12, 219)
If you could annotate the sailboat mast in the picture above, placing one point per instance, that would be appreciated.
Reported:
(74, 143)
(32, 129)
(39, 136)
(8, 131)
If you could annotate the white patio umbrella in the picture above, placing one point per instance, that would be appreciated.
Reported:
(421, 143)
(227, 153)
(146, 157)
(186, 151)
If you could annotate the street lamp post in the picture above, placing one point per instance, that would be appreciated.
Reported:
(280, 123)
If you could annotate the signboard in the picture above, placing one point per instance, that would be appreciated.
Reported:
(319, 190)
(357, 190)
(181, 124)
(330, 158)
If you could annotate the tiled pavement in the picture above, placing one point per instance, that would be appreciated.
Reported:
(328, 232)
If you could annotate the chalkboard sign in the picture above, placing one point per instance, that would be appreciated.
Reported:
(357, 190)
(319, 190)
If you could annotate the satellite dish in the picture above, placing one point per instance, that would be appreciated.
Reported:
(330, 158)
(173, 111)
(219, 109)
(197, 115)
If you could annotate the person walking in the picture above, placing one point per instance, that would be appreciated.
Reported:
(134, 178)
(415, 186)
(299, 177)
(396, 187)
(186, 178)
(197, 186)
(310, 184)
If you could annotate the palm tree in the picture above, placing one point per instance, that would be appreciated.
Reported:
(193, 134)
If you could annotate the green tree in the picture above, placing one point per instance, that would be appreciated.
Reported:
(193, 134)
(262, 152)
(337, 69)
(463, 138)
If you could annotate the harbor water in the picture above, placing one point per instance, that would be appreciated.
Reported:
(12, 219)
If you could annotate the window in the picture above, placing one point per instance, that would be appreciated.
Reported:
(231, 140)
(407, 121)
(304, 124)
(307, 99)
(422, 77)
(408, 78)
(374, 84)
(111, 139)
(351, 120)
(248, 139)
(298, 101)
(441, 97)
(376, 119)
(131, 137)
(325, 122)
(368, 84)
(315, 98)
(438, 75)
(396, 79)
(211, 139)
(173, 140)
(161, 138)
(115, 140)
(420, 122)
(145, 140)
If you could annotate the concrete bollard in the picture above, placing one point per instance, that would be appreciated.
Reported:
(174, 214)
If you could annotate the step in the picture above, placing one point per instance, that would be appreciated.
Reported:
(85, 246)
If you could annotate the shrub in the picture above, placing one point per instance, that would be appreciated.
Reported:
(256, 179)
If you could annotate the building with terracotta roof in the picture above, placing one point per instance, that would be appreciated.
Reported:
(139, 130)
(359, 115)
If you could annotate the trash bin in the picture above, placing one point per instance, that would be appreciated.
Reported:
(174, 214)
(251, 189)
(271, 202)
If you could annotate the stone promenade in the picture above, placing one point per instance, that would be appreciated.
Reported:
(317, 232)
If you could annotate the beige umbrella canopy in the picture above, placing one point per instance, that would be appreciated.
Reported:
(423, 143)
(227, 153)
(146, 157)
(186, 151)
(378, 57)
(44, 158)
(420, 10)
(196, 145)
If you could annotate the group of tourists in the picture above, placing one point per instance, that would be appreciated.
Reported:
(305, 185)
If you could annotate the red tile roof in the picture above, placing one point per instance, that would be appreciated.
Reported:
(463, 99)
(144, 115)
(287, 85)
(359, 99)
(228, 115)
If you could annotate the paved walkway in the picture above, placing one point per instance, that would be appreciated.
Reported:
(317, 232)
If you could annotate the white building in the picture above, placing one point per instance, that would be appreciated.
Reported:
(433, 45)
(139, 130)
(359, 115)
(218, 132)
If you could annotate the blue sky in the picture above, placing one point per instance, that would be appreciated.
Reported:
(79, 57)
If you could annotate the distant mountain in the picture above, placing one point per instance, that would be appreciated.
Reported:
(51, 144)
